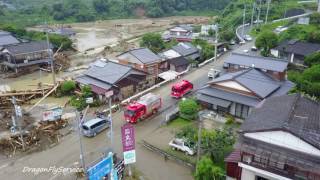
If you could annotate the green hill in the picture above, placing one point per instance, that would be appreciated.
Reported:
(29, 12)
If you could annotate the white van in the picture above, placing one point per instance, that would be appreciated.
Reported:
(94, 126)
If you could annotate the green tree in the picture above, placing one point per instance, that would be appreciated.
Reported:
(315, 18)
(207, 50)
(312, 59)
(314, 37)
(188, 133)
(211, 32)
(227, 35)
(265, 41)
(153, 41)
(307, 82)
(217, 143)
(188, 109)
(67, 87)
(206, 170)
(101, 6)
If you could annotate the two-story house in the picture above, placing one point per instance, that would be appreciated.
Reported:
(34, 53)
(280, 140)
(143, 59)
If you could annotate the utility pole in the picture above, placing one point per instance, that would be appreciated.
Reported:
(267, 14)
(199, 137)
(80, 120)
(258, 21)
(244, 20)
(252, 15)
(318, 6)
(109, 95)
(17, 116)
(216, 43)
(111, 123)
(50, 56)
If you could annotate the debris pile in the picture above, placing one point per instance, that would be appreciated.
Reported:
(34, 136)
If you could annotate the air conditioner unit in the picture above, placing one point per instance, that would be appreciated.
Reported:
(247, 159)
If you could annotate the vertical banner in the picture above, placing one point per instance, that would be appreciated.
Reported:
(128, 143)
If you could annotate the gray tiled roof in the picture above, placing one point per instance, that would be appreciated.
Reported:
(255, 80)
(110, 72)
(87, 80)
(178, 61)
(144, 55)
(27, 47)
(6, 38)
(298, 47)
(185, 49)
(298, 115)
(230, 96)
(258, 62)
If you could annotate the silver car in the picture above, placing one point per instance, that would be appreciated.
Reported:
(94, 126)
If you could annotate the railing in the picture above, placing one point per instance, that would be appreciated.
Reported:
(167, 155)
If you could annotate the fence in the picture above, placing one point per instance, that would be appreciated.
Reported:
(168, 156)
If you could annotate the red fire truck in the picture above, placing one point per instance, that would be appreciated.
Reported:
(181, 88)
(147, 105)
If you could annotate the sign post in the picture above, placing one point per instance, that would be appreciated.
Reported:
(128, 144)
(101, 169)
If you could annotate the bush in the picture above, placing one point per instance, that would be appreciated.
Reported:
(188, 109)
(67, 87)
(206, 170)
(78, 102)
(230, 120)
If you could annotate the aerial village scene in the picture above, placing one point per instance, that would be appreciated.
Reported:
(160, 89)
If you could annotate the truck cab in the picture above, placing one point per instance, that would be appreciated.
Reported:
(146, 106)
(181, 88)
(213, 73)
(133, 112)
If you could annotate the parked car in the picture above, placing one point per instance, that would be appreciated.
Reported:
(254, 48)
(232, 42)
(245, 50)
(181, 88)
(213, 73)
(247, 37)
(258, 21)
(182, 145)
(94, 126)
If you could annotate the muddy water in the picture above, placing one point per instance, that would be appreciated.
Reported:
(94, 38)
(29, 81)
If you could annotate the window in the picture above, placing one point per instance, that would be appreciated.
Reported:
(150, 70)
(242, 111)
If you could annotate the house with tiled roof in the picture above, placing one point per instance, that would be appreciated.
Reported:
(277, 68)
(123, 80)
(279, 140)
(26, 54)
(238, 92)
(143, 59)
(295, 51)
(7, 38)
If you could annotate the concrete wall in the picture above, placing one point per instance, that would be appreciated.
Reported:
(247, 175)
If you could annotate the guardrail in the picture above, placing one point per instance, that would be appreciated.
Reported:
(168, 156)
(292, 17)
(238, 35)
